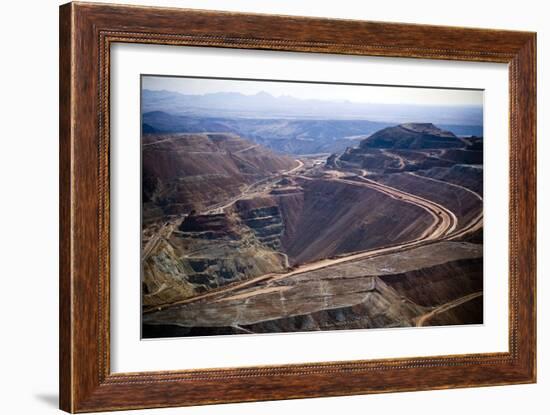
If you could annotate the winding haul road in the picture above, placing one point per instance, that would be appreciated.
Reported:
(167, 228)
(476, 223)
(443, 227)
(423, 319)
(249, 189)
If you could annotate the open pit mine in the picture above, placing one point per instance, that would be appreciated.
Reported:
(238, 239)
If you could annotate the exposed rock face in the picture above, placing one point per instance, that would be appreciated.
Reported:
(264, 218)
(206, 252)
(412, 136)
(378, 292)
(214, 226)
(465, 313)
(433, 286)
(333, 218)
(185, 172)
(332, 161)
(470, 176)
(164, 277)
(259, 235)
(372, 304)
(238, 239)
(313, 305)
(395, 161)
(465, 204)
(410, 147)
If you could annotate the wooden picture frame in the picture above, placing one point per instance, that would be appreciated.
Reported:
(86, 33)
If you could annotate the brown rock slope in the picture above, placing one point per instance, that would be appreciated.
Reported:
(185, 172)
(469, 176)
(321, 218)
(376, 292)
(253, 242)
(332, 218)
(203, 253)
(186, 252)
(412, 136)
(267, 233)
(463, 202)
(410, 147)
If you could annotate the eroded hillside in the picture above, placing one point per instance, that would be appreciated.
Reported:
(239, 239)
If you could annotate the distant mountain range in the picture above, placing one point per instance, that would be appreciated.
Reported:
(264, 105)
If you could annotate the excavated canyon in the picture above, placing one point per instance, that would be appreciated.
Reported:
(238, 239)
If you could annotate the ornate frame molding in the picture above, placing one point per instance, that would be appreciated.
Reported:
(87, 32)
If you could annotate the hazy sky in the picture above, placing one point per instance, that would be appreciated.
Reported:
(355, 93)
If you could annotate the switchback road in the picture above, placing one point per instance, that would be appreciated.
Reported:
(444, 224)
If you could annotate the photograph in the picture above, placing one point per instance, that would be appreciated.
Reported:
(277, 206)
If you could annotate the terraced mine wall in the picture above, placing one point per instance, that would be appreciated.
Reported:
(225, 223)
(192, 172)
(333, 218)
(204, 253)
(259, 235)
(365, 294)
(469, 176)
(462, 202)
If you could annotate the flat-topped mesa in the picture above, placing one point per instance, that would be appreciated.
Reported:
(411, 136)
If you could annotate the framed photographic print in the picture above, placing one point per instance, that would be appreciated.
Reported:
(260, 207)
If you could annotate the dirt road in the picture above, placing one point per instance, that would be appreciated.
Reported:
(443, 227)
(444, 223)
(422, 320)
(219, 208)
(167, 228)
(397, 157)
(475, 224)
